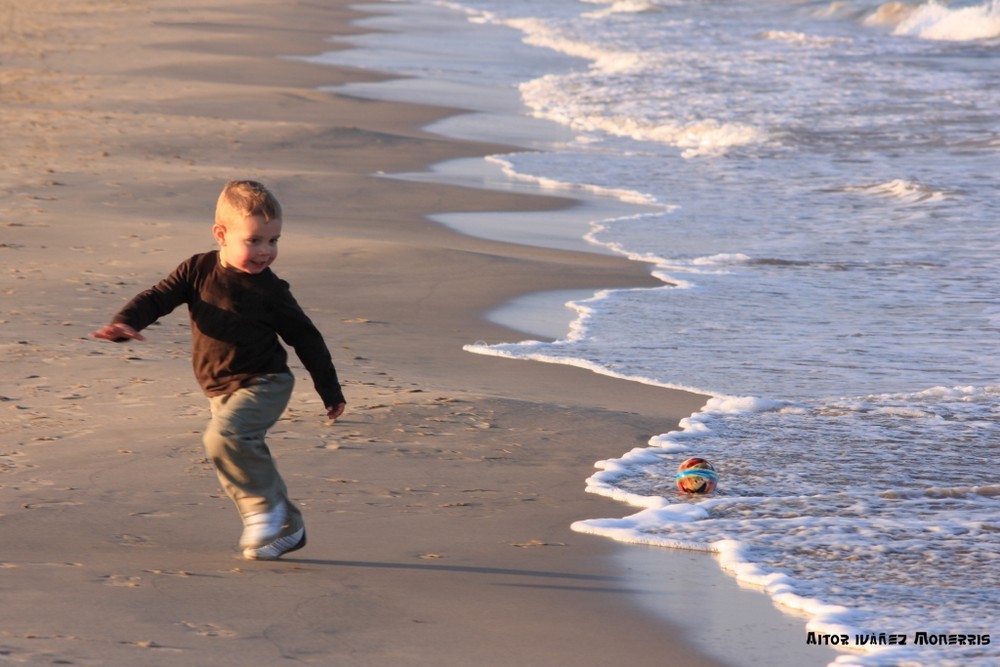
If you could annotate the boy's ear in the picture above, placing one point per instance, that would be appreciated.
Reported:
(219, 232)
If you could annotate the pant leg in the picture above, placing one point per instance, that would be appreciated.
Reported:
(235, 443)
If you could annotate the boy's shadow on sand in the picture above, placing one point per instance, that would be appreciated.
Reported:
(495, 571)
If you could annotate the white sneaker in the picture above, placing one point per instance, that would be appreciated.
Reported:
(262, 528)
(277, 548)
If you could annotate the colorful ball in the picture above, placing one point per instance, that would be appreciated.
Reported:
(696, 476)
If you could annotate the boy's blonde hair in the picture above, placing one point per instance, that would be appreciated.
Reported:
(240, 199)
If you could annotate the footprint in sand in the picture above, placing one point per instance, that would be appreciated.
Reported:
(122, 581)
(209, 630)
(134, 541)
(49, 504)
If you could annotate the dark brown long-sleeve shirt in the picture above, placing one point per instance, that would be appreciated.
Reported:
(236, 320)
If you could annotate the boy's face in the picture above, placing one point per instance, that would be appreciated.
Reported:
(249, 245)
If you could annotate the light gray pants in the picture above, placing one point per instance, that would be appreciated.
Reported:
(235, 442)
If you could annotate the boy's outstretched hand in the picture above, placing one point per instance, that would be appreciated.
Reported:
(117, 332)
(335, 411)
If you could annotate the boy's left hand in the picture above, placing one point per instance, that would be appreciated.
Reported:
(335, 411)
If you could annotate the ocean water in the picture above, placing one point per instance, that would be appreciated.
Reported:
(817, 184)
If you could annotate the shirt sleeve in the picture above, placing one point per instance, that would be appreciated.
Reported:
(298, 331)
(159, 300)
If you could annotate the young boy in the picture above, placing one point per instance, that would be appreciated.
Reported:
(238, 309)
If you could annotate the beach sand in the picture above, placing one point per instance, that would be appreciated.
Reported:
(439, 506)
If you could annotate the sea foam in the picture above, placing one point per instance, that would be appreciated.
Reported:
(940, 22)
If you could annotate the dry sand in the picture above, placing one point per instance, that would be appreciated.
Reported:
(438, 507)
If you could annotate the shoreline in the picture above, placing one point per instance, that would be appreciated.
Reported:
(439, 506)
(761, 629)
